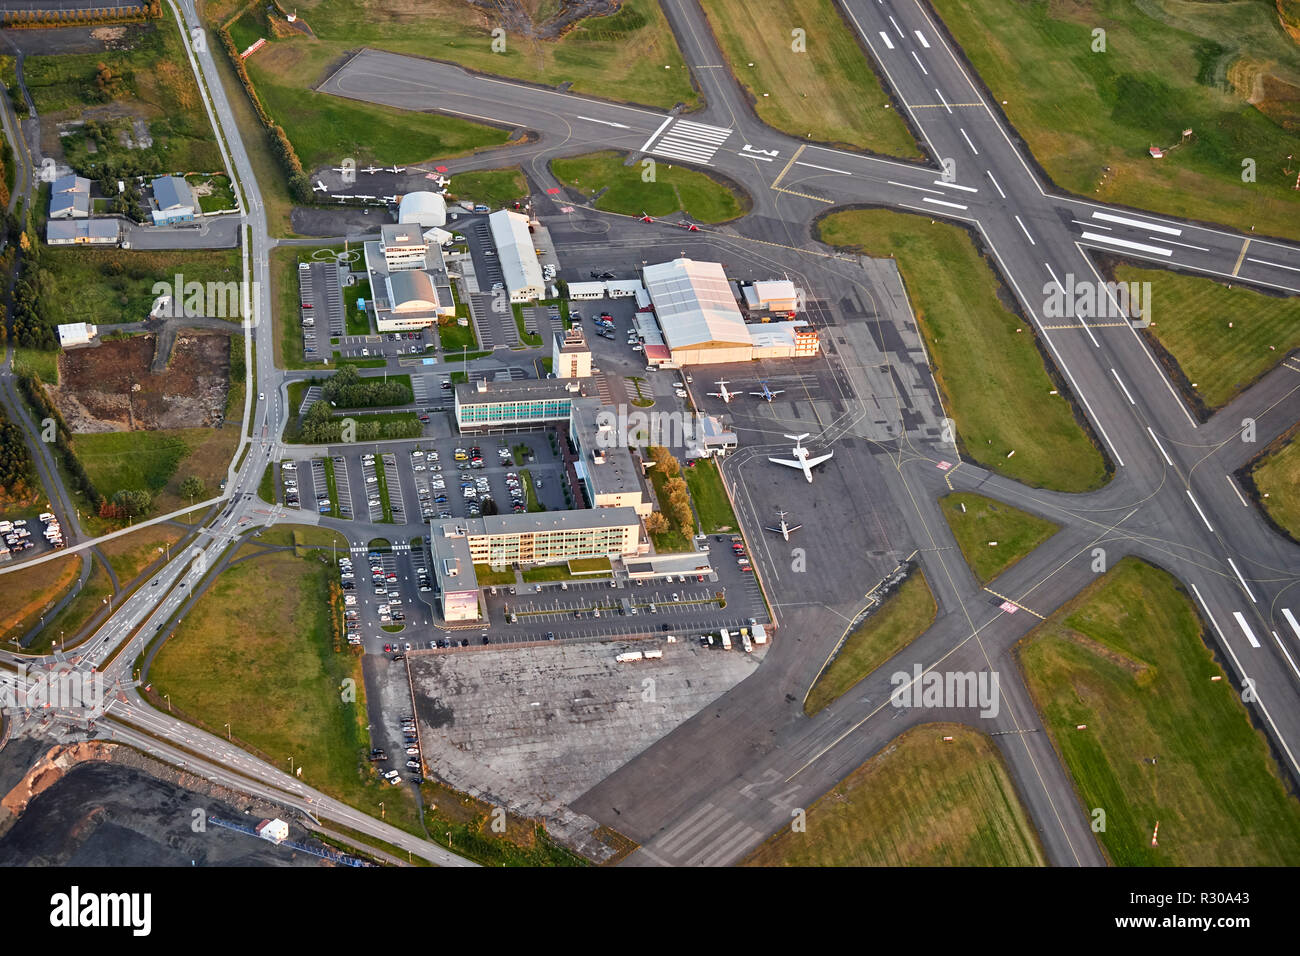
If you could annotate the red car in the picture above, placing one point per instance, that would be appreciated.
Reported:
(387, 648)
(306, 305)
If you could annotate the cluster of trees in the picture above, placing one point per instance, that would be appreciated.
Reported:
(57, 17)
(44, 410)
(678, 503)
(299, 182)
(127, 503)
(17, 473)
(347, 389)
(109, 85)
(32, 325)
(319, 427)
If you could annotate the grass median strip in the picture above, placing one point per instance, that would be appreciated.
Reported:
(992, 535)
(1277, 475)
(900, 619)
(922, 801)
(614, 187)
(986, 360)
(1126, 686)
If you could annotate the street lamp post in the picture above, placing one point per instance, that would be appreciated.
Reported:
(169, 702)
(227, 731)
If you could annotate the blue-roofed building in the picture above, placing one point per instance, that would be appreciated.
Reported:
(70, 197)
(173, 201)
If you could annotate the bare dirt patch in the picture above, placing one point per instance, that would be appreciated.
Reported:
(112, 387)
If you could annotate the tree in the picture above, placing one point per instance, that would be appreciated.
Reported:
(133, 501)
(192, 487)
(656, 523)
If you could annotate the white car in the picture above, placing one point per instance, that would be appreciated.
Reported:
(261, 396)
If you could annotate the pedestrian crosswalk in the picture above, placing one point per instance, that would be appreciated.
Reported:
(711, 836)
(420, 389)
(691, 142)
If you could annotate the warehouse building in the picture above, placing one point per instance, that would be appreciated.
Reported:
(511, 405)
(518, 256)
(425, 209)
(82, 232)
(790, 339)
(570, 354)
(409, 285)
(697, 312)
(70, 197)
(778, 295)
(586, 290)
(172, 202)
(76, 333)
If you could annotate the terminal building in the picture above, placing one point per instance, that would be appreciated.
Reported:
(515, 406)
(518, 256)
(409, 285)
(610, 474)
(502, 541)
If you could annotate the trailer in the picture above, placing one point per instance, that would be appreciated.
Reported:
(726, 639)
(629, 656)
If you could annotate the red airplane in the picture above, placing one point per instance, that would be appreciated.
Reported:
(645, 217)
(689, 226)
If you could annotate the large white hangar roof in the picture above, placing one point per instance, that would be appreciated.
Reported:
(515, 250)
(694, 304)
(423, 208)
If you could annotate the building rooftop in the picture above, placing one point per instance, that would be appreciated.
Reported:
(571, 340)
(694, 304)
(515, 250)
(399, 235)
(512, 391)
(458, 529)
(618, 473)
(72, 229)
(172, 192)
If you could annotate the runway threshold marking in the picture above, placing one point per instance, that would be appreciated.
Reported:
(781, 175)
(1081, 326)
(1016, 603)
(935, 106)
(1241, 257)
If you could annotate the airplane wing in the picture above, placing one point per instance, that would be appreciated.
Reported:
(820, 459)
(769, 528)
(779, 391)
(795, 527)
(791, 464)
(759, 394)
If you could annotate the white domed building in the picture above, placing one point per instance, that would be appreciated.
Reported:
(425, 209)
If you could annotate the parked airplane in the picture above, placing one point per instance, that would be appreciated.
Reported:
(783, 529)
(689, 226)
(440, 180)
(725, 395)
(342, 198)
(767, 394)
(390, 199)
(801, 459)
(363, 198)
(372, 170)
(646, 217)
(319, 187)
(397, 169)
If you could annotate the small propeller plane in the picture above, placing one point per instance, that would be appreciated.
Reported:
(723, 394)
(767, 394)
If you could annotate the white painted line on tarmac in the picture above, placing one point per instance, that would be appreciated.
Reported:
(1249, 593)
(922, 66)
(940, 202)
(901, 34)
(1242, 623)
(890, 182)
(1140, 246)
(827, 169)
(1183, 244)
(646, 145)
(1090, 224)
(1199, 511)
(1294, 669)
(1237, 490)
(1139, 223)
(968, 142)
(1168, 460)
(604, 122)
(995, 184)
(944, 182)
(921, 36)
(1290, 619)
(888, 42)
(940, 95)
(1275, 265)
(1122, 386)
(1025, 231)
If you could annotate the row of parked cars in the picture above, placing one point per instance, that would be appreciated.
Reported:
(289, 474)
(351, 617)
(412, 745)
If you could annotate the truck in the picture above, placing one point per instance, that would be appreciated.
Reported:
(653, 655)
(726, 639)
(629, 656)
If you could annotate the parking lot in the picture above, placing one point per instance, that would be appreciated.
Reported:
(388, 344)
(321, 311)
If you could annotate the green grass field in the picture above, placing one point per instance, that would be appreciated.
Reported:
(902, 618)
(284, 302)
(620, 57)
(324, 129)
(710, 498)
(215, 668)
(1166, 68)
(62, 628)
(1278, 476)
(44, 364)
(489, 578)
(157, 461)
(132, 553)
(218, 194)
(455, 337)
(25, 595)
(673, 189)
(1191, 316)
(358, 321)
(1164, 742)
(494, 187)
(155, 84)
(922, 801)
(992, 377)
(1016, 532)
(829, 92)
(108, 286)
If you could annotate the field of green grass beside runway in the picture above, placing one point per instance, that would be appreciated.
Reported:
(673, 189)
(985, 522)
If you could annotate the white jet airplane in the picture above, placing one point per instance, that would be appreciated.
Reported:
(783, 529)
(725, 395)
(801, 459)
(767, 394)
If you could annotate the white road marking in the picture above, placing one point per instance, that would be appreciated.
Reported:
(1276, 265)
(1121, 385)
(1025, 231)
(1183, 244)
(922, 66)
(888, 42)
(940, 202)
(646, 145)
(1237, 490)
(1094, 225)
(921, 36)
(1290, 619)
(944, 182)
(1139, 223)
(1251, 594)
(1294, 669)
(1168, 460)
(766, 159)
(901, 34)
(604, 122)
(827, 169)
(1199, 511)
(1140, 246)
(968, 142)
(1241, 622)
(890, 182)
(940, 95)
(995, 184)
